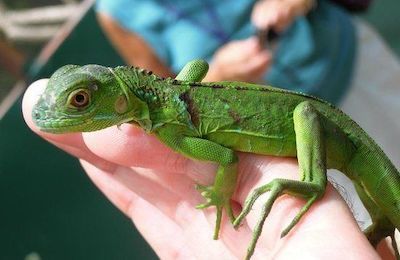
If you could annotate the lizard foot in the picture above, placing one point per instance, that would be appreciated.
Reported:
(220, 200)
(278, 187)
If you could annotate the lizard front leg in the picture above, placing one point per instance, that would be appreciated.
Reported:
(193, 71)
(219, 194)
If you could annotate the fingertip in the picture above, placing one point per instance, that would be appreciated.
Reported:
(260, 62)
(263, 20)
(260, 24)
(30, 98)
(258, 20)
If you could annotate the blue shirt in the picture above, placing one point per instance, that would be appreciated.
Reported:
(315, 55)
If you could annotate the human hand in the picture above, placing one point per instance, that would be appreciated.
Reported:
(154, 187)
(242, 60)
(278, 14)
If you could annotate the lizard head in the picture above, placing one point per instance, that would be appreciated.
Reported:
(81, 98)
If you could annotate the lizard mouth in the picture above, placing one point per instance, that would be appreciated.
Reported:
(52, 122)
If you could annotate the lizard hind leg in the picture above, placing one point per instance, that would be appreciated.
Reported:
(311, 154)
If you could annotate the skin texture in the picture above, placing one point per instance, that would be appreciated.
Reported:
(211, 122)
(160, 199)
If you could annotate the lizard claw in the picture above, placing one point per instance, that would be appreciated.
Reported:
(217, 199)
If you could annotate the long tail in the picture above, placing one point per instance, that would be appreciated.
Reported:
(377, 182)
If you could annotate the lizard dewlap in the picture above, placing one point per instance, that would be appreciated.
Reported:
(212, 121)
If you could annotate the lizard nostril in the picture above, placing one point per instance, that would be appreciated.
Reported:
(36, 114)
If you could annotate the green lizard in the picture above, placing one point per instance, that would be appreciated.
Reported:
(211, 121)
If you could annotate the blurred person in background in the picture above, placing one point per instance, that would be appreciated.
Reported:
(315, 51)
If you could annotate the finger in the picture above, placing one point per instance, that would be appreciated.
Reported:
(128, 146)
(283, 20)
(273, 14)
(131, 146)
(246, 48)
(74, 142)
(264, 14)
(71, 143)
(260, 63)
(255, 66)
(238, 51)
(385, 249)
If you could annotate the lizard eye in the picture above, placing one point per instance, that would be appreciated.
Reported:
(79, 99)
